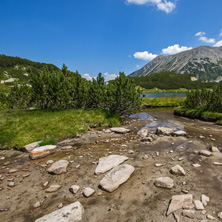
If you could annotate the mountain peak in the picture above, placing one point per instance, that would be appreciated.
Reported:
(204, 61)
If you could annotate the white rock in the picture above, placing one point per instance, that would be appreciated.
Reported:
(158, 164)
(164, 182)
(219, 215)
(164, 131)
(130, 152)
(120, 130)
(32, 146)
(214, 149)
(179, 133)
(42, 151)
(53, 188)
(11, 184)
(189, 213)
(177, 170)
(116, 177)
(58, 167)
(109, 162)
(143, 132)
(205, 153)
(217, 164)
(198, 205)
(74, 189)
(196, 165)
(210, 217)
(178, 201)
(60, 205)
(205, 199)
(12, 171)
(45, 184)
(71, 213)
(87, 192)
(37, 204)
(50, 162)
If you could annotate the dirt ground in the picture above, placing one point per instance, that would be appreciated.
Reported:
(138, 199)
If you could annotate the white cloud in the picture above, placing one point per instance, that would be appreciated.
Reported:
(206, 40)
(203, 38)
(167, 7)
(163, 5)
(137, 66)
(175, 49)
(87, 76)
(144, 55)
(220, 33)
(200, 34)
(218, 44)
(108, 76)
(129, 56)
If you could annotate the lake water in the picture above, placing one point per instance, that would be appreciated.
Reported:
(179, 94)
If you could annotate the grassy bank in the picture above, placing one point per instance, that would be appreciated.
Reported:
(156, 90)
(19, 127)
(199, 113)
(173, 101)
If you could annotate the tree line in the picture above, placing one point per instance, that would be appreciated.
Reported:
(63, 89)
(170, 80)
(209, 99)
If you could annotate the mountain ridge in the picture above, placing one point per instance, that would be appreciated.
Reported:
(204, 62)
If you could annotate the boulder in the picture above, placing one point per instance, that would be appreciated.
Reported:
(58, 167)
(120, 130)
(219, 215)
(177, 170)
(71, 213)
(109, 162)
(164, 182)
(205, 153)
(143, 132)
(31, 146)
(53, 188)
(87, 192)
(178, 201)
(117, 176)
(164, 131)
(42, 151)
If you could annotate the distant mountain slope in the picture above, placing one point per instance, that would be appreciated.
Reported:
(204, 61)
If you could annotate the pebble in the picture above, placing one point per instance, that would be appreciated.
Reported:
(205, 199)
(11, 184)
(217, 164)
(210, 217)
(158, 164)
(37, 204)
(181, 158)
(74, 189)
(87, 192)
(60, 206)
(196, 165)
(198, 205)
(219, 215)
(189, 213)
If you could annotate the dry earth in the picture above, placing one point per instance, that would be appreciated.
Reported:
(138, 199)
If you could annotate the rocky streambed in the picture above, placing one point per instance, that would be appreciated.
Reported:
(163, 168)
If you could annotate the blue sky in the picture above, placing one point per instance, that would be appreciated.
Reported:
(106, 36)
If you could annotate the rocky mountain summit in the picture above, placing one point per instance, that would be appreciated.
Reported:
(204, 61)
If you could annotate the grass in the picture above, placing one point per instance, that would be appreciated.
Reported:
(173, 101)
(156, 90)
(20, 127)
(199, 113)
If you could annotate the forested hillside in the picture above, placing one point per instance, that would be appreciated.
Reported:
(170, 80)
(17, 70)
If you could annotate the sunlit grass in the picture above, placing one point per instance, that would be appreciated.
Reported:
(20, 127)
(173, 101)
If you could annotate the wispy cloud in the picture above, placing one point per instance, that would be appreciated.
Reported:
(218, 44)
(171, 50)
(144, 55)
(220, 33)
(163, 5)
(203, 38)
(87, 76)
